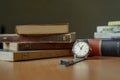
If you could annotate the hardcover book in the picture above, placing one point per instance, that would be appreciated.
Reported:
(36, 54)
(106, 35)
(45, 29)
(104, 47)
(1, 46)
(17, 46)
(113, 23)
(105, 29)
(61, 38)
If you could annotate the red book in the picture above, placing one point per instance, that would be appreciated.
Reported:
(104, 47)
(95, 45)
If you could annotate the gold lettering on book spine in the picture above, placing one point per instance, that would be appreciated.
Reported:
(24, 46)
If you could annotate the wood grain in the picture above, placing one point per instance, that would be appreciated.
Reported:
(95, 68)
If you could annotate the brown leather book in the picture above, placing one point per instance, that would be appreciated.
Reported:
(61, 38)
(42, 29)
(33, 54)
(17, 46)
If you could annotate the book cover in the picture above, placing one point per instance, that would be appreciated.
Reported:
(107, 29)
(114, 23)
(61, 38)
(104, 47)
(2, 31)
(109, 35)
(34, 54)
(1, 46)
(44, 29)
(17, 46)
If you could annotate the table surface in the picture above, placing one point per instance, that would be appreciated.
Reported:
(94, 68)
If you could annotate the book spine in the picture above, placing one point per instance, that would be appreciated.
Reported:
(113, 23)
(36, 46)
(45, 46)
(28, 55)
(104, 47)
(42, 29)
(106, 35)
(61, 38)
(2, 31)
(9, 38)
(105, 29)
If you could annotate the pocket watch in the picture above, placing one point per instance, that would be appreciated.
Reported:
(80, 50)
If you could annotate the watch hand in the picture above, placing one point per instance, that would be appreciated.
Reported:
(81, 47)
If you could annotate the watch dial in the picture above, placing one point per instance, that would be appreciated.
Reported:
(80, 49)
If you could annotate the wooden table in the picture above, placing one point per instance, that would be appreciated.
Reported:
(95, 68)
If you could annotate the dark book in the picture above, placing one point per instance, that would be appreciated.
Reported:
(104, 47)
(2, 31)
(17, 46)
(61, 38)
(1, 45)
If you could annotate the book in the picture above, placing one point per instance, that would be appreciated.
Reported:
(17, 46)
(61, 38)
(45, 29)
(34, 54)
(2, 31)
(113, 23)
(105, 29)
(104, 47)
(109, 35)
(1, 46)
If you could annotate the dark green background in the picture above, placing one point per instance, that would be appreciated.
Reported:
(83, 15)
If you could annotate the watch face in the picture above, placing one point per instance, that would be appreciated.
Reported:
(80, 49)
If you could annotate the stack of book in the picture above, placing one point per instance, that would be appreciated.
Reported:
(106, 40)
(112, 30)
(37, 41)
